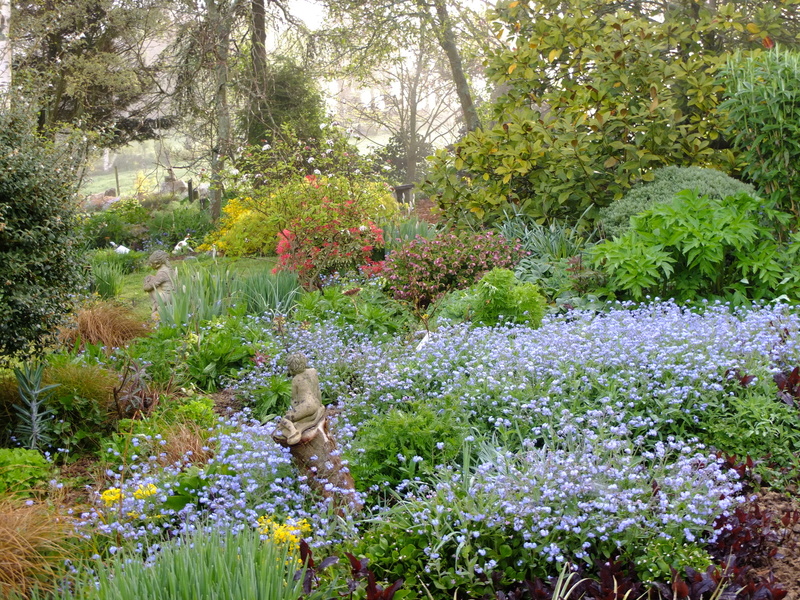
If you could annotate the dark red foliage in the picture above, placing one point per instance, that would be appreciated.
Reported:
(789, 386)
(742, 378)
(747, 535)
(358, 572)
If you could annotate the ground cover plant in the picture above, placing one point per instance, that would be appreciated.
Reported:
(489, 455)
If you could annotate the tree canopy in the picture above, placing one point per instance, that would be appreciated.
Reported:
(595, 95)
(90, 63)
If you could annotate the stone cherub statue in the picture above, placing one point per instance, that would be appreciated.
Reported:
(160, 285)
(306, 411)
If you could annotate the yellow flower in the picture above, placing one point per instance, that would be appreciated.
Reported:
(284, 533)
(145, 491)
(111, 496)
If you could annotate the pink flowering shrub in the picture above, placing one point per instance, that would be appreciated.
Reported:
(425, 269)
(326, 237)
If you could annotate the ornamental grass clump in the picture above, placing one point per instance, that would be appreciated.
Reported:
(423, 270)
(202, 566)
(103, 323)
(34, 543)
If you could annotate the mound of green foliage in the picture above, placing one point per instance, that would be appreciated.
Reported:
(21, 470)
(699, 247)
(498, 297)
(666, 184)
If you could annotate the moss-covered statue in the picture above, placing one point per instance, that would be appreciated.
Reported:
(161, 285)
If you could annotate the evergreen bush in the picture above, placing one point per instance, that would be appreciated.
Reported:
(40, 253)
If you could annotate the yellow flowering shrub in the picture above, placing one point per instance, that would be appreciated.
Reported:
(250, 224)
(242, 231)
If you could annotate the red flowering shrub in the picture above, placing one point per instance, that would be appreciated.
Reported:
(425, 269)
(325, 237)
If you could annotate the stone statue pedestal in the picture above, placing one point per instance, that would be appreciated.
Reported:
(316, 457)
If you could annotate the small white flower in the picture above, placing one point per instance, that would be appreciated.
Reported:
(266, 147)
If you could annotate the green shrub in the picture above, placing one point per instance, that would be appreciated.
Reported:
(753, 422)
(700, 247)
(22, 470)
(41, 263)
(407, 442)
(197, 410)
(424, 270)
(667, 182)
(663, 556)
(762, 103)
(122, 223)
(272, 398)
(367, 309)
(162, 354)
(169, 226)
(81, 404)
(579, 121)
(216, 352)
(102, 228)
(500, 297)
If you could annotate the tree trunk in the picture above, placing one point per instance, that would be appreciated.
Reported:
(447, 40)
(258, 50)
(316, 457)
(258, 58)
(5, 46)
(412, 147)
(221, 149)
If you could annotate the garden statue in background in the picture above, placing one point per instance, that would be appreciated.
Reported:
(160, 285)
(304, 430)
